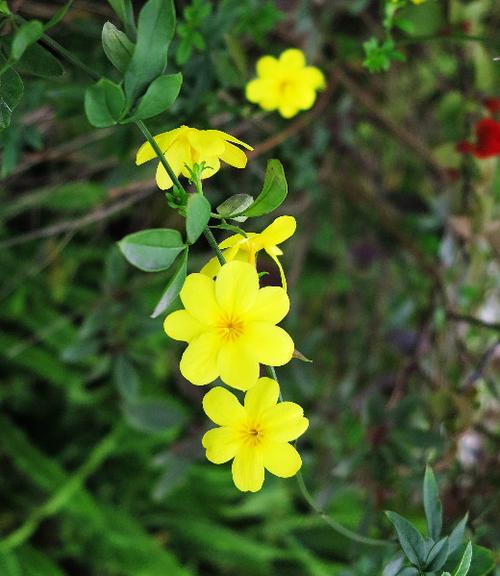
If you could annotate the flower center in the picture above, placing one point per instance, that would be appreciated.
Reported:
(230, 328)
(252, 434)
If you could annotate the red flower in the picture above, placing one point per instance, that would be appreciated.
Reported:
(492, 104)
(487, 140)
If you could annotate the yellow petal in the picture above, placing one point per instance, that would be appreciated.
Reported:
(199, 361)
(271, 305)
(164, 140)
(285, 422)
(222, 407)
(278, 231)
(206, 142)
(235, 239)
(261, 397)
(280, 267)
(292, 60)
(177, 155)
(313, 77)
(180, 325)
(248, 469)
(271, 344)
(212, 165)
(233, 156)
(221, 444)
(211, 268)
(267, 67)
(236, 287)
(237, 365)
(228, 138)
(198, 297)
(288, 109)
(281, 459)
(255, 90)
(305, 98)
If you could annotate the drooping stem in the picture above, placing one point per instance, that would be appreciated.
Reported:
(213, 243)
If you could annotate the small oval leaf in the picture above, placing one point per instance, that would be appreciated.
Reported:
(274, 191)
(117, 47)
(104, 102)
(159, 96)
(174, 286)
(197, 216)
(234, 205)
(152, 250)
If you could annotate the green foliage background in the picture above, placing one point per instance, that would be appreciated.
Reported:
(101, 467)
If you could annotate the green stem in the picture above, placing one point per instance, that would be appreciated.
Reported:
(70, 57)
(161, 157)
(213, 243)
(62, 496)
(339, 528)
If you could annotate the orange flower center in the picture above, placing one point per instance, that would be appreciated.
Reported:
(252, 434)
(230, 328)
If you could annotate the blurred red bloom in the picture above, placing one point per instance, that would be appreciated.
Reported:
(492, 104)
(487, 140)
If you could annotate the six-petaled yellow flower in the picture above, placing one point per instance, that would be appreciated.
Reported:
(238, 247)
(184, 147)
(230, 325)
(256, 435)
(285, 84)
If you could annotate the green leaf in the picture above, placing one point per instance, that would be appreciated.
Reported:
(234, 205)
(463, 568)
(104, 103)
(432, 504)
(152, 250)
(125, 378)
(34, 563)
(174, 286)
(411, 540)
(153, 414)
(481, 564)
(59, 15)
(394, 566)
(39, 61)
(4, 8)
(28, 34)
(122, 8)
(159, 96)
(274, 191)
(154, 34)
(11, 93)
(9, 566)
(117, 47)
(437, 555)
(457, 535)
(197, 216)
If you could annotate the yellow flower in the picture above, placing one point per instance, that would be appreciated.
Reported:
(184, 147)
(285, 84)
(237, 247)
(230, 325)
(256, 435)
